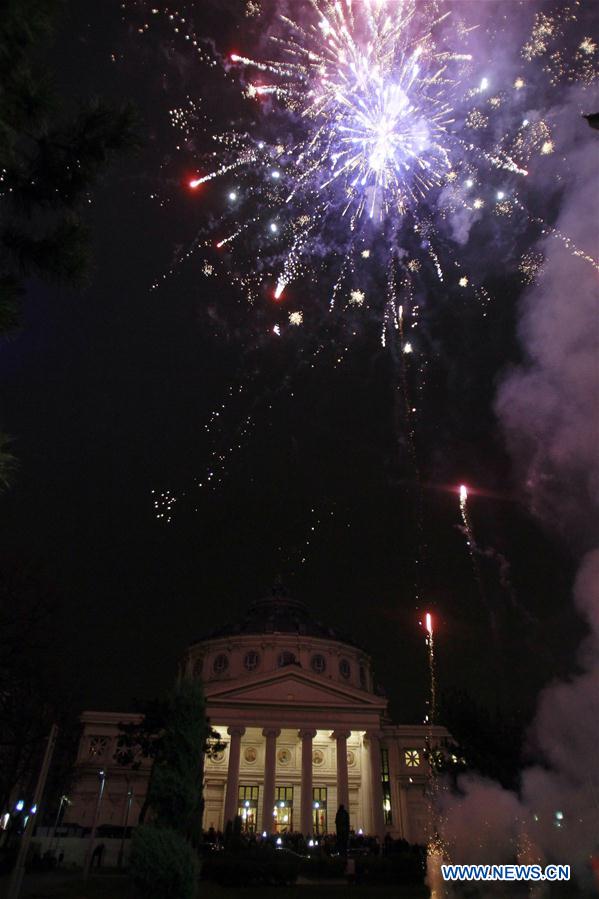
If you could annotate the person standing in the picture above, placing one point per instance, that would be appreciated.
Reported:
(342, 828)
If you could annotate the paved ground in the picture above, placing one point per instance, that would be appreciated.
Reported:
(115, 886)
(105, 886)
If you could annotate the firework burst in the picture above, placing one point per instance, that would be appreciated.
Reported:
(366, 139)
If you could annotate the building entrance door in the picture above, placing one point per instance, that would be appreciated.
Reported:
(319, 810)
(247, 807)
(283, 811)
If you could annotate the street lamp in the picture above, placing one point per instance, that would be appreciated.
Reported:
(63, 801)
(92, 836)
(126, 821)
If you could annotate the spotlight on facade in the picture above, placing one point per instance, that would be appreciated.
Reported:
(279, 841)
(19, 805)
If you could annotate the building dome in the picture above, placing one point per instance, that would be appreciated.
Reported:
(276, 632)
(279, 613)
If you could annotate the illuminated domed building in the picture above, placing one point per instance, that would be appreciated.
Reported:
(305, 728)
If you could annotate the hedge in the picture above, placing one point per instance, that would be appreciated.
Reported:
(321, 867)
(403, 868)
(254, 867)
(163, 865)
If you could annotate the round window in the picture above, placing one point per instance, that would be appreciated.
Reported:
(344, 668)
(286, 658)
(251, 660)
(319, 663)
(221, 663)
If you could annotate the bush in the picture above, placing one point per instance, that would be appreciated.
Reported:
(163, 865)
(403, 868)
(253, 867)
(320, 867)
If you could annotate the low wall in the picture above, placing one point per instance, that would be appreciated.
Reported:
(75, 849)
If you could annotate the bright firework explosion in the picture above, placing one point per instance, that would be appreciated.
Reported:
(377, 113)
(368, 90)
(374, 143)
(365, 142)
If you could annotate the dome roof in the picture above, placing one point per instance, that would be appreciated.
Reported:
(278, 613)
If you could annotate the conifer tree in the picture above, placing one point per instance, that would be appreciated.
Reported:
(50, 158)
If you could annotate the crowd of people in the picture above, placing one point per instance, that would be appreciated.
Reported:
(345, 841)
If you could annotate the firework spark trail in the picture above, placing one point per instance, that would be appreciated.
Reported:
(296, 556)
(401, 351)
(503, 567)
(430, 642)
(244, 159)
(549, 231)
(470, 542)
(436, 850)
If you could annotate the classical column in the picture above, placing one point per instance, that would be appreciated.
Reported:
(270, 770)
(397, 793)
(378, 819)
(232, 795)
(306, 810)
(403, 808)
(342, 736)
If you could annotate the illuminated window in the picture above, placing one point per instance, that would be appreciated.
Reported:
(319, 810)
(412, 758)
(220, 664)
(286, 658)
(283, 810)
(319, 663)
(386, 784)
(344, 669)
(248, 807)
(251, 660)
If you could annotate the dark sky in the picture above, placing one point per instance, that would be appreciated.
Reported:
(108, 390)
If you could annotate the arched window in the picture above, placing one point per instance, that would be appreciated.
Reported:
(287, 658)
(344, 669)
(221, 663)
(318, 663)
(251, 660)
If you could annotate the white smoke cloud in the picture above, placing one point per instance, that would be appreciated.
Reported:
(549, 409)
(549, 406)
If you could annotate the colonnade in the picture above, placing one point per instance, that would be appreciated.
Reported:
(306, 735)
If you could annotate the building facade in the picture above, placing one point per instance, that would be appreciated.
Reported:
(305, 731)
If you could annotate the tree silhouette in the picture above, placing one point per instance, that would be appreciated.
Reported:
(50, 158)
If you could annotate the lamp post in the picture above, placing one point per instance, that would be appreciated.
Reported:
(126, 821)
(92, 836)
(19, 869)
(55, 840)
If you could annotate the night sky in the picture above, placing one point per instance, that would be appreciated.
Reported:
(107, 392)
